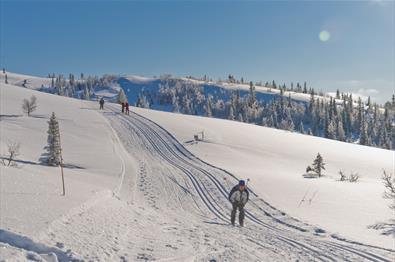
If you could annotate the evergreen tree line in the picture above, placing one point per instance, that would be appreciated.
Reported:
(293, 87)
(343, 118)
(82, 88)
(340, 119)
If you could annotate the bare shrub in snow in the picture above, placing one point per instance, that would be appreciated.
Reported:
(389, 183)
(310, 173)
(342, 176)
(353, 177)
(12, 153)
(29, 106)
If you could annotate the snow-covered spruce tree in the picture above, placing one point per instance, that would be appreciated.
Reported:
(385, 140)
(186, 105)
(331, 130)
(231, 115)
(318, 165)
(121, 96)
(274, 84)
(301, 128)
(360, 116)
(305, 87)
(252, 95)
(287, 123)
(337, 94)
(363, 138)
(340, 132)
(53, 147)
(209, 107)
(269, 122)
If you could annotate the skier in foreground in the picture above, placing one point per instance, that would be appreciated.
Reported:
(238, 196)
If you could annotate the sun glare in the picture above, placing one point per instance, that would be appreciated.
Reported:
(324, 36)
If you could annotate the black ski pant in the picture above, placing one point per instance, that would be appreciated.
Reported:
(236, 206)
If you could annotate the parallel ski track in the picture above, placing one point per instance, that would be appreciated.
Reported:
(163, 142)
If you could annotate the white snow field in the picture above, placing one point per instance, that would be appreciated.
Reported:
(275, 161)
(134, 192)
(32, 82)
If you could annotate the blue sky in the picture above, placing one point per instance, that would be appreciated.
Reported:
(259, 40)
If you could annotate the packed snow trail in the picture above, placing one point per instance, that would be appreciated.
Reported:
(175, 207)
(212, 186)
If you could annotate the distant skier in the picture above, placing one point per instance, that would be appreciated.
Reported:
(123, 107)
(127, 108)
(238, 196)
(101, 102)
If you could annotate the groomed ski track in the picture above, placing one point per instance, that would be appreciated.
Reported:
(177, 184)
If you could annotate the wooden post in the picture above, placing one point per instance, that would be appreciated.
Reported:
(61, 165)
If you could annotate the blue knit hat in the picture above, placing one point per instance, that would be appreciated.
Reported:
(242, 183)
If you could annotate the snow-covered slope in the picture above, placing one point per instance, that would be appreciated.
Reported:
(31, 193)
(135, 86)
(275, 161)
(134, 192)
(32, 82)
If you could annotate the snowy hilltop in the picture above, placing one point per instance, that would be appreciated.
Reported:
(154, 184)
(296, 108)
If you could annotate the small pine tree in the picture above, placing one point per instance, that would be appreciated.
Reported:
(318, 165)
(121, 96)
(53, 147)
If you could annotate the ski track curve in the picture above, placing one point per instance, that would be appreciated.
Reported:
(209, 187)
